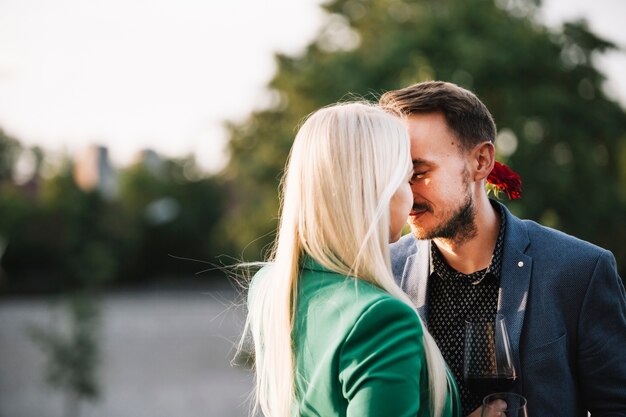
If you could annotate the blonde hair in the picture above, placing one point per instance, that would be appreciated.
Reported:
(345, 164)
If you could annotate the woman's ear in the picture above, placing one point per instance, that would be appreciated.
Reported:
(483, 159)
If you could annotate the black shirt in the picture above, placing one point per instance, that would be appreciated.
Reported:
(454, 297)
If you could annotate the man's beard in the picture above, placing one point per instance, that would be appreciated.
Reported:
(458, 228)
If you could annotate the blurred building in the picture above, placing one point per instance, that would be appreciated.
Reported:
(151, 161)
(93, 171)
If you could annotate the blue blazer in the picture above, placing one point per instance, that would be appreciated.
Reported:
(565, 308)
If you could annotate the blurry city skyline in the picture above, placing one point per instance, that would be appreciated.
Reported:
(165, 75)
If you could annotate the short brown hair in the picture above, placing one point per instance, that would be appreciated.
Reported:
(465, 114)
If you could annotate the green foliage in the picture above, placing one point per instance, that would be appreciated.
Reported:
(9, 150)
(176, 211)
(540, 84)
(57, 237)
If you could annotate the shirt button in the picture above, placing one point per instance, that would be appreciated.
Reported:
(520, 264)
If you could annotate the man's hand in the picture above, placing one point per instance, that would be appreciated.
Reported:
(495, 410)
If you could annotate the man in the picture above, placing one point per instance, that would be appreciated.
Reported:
(467, 256)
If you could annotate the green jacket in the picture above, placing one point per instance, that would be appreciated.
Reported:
(358, 350)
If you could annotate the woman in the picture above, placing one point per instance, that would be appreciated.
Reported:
(333, 334)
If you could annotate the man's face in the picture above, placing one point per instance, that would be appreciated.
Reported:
(442, 198)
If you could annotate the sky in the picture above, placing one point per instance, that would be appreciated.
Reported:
(166, 74)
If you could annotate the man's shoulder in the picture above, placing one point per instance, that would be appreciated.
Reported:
(405, 246)
(552, 242)
(401, 250)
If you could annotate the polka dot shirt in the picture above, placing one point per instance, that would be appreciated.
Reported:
(454, 297)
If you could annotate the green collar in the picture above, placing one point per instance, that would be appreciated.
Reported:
(308, 262)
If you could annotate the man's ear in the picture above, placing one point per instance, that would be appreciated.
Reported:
(482, 160)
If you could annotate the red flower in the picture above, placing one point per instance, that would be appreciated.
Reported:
(503, 179)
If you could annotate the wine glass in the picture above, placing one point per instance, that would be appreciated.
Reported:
(488, 361)
(515, 405)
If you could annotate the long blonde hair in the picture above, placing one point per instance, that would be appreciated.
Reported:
(345, 164)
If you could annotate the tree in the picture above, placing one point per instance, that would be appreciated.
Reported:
(9, 151)
(558, 128)
(73, 356)
(174, 210)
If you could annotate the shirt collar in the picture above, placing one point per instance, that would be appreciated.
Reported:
(439, 265)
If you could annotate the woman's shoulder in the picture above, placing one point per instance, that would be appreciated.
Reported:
(257, 279)
(349, 299)
(337, 296)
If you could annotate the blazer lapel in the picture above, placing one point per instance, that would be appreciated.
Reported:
(515, 280)
(415, 276)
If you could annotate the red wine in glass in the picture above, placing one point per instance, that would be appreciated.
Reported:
(488, 365)
(485, 385)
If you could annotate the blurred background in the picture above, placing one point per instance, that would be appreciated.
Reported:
(141, 144)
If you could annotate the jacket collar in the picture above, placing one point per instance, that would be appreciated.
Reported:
(515, 280)
(307, 262)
